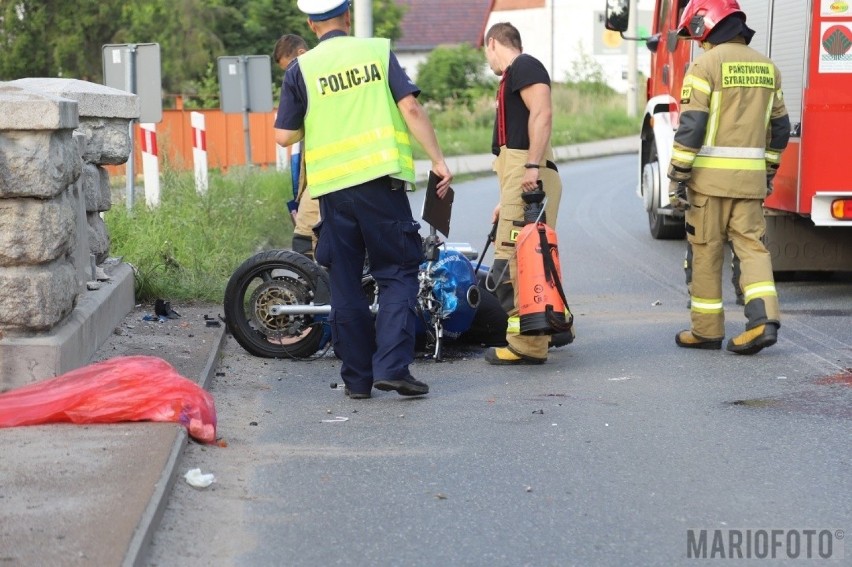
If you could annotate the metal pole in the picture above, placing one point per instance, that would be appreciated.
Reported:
(363, 18)
(244, 85)
(632, 46)
(130, 82)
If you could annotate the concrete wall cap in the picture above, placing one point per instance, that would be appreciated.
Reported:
(27, 109)
(93, 99)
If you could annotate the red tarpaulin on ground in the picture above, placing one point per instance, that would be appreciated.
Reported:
(125, 388)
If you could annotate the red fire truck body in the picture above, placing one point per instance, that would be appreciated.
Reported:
(809, 214)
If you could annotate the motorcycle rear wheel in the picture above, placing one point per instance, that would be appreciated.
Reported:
(275, 277)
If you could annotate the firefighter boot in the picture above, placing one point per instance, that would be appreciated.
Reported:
(303, 245)
(506, 356)
(754, 340)
(687, 339)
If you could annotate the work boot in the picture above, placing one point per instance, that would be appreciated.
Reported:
(303, 245)
(561, 339)
(754, 340)
(407, 386)
(355, 395)
(508, 357)
(687, 339)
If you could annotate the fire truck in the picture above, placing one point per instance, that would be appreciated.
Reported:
(809, 214)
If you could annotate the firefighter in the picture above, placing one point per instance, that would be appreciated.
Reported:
(303, 210)
(733, 128)
(521, 142)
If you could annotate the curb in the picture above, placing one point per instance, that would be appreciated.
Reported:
(153, 514)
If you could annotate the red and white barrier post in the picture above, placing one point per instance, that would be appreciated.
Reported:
(199, 151)
(150, 163)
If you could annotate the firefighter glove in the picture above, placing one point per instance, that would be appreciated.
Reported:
(770, 177)
(677, 196)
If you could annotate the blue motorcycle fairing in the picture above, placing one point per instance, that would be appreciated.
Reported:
(452, 276)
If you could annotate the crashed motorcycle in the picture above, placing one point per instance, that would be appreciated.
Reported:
(277, 302)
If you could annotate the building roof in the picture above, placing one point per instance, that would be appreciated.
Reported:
(429, 23)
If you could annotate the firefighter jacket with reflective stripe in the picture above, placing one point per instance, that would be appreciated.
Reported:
(733, 123)
(354, 131)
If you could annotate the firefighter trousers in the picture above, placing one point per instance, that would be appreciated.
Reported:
(735, 270)
(509, 166)
(711, 222)
(307, 216)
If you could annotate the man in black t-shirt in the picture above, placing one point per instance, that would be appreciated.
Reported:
(521, 143)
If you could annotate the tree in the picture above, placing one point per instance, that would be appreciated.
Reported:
(457, 73)
(23, 41)
(183, 31)
(387, 19)
(59, 38)
(55, 38)
(587, 74)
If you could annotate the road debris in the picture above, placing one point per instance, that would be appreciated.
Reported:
(164, 309)
(336, 419)
(195, 478)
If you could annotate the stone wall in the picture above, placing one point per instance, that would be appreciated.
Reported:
(55, 137)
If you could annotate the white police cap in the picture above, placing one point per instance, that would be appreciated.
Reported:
(319, 10)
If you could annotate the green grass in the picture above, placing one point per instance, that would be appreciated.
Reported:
(187, 248)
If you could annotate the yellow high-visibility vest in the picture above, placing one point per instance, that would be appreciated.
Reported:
(354, 131)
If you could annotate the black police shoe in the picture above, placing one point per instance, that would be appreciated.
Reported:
(407, 386)
(355, 395)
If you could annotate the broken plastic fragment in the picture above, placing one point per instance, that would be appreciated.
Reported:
(195, 478)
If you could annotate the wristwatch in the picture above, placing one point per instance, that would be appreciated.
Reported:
(532, 166)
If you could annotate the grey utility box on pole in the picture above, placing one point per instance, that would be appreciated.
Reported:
(245, 85)
(135, 67)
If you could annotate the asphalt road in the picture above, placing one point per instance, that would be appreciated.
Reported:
(607, 455)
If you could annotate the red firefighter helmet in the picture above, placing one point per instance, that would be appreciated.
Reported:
(701, 16)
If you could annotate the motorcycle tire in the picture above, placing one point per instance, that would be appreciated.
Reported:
(489, 324)
(268, 278)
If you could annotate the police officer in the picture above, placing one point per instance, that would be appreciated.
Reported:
(733, 128)
(355, 107)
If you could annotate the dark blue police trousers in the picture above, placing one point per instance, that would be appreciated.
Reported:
(374, 219)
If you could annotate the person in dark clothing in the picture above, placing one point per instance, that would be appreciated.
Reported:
(356, 108)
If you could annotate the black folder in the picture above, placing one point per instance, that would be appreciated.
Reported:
(437, 211)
